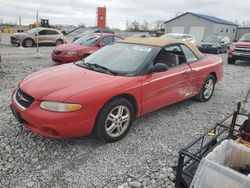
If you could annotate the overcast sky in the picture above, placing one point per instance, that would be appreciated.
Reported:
(118, 11)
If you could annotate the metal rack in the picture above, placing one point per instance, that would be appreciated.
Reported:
(191, 155)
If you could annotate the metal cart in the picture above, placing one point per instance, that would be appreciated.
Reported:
(191, 155)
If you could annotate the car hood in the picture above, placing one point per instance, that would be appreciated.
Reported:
(20, 34)
(61, 82)
(71, 47)
(241, 44)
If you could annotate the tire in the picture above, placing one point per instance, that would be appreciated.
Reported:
(59, 42)
(109, 126)
(231, 60)
(217, 51)
(28, 43)
(207, 90)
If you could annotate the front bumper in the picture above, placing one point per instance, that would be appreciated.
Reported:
(239, 55)
(54, 124)
(15, 41)
(64, 58)
(208, 50)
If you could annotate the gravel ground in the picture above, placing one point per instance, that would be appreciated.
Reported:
(144, 158)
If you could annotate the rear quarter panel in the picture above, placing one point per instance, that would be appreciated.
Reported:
(210, 64)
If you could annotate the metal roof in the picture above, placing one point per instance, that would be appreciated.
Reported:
(208, 18)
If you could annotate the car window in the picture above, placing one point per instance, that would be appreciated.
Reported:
(188, 54)
(87, 40)
(107, 40)
(171, 56)
(52, 32)
(116, 39)
(43, 32)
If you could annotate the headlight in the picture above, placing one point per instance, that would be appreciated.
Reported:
(214, 45)
(71, 53)
(60, 106)
(232, 47)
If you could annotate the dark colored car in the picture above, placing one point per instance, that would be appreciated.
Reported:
(215, 44)
(82, 47)
(239, 50)
(89, 32)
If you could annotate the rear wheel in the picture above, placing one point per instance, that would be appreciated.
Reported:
(231, 60)
(207, 89)
(114, 120)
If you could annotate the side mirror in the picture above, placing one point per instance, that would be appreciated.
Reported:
(158, 67)
(201, 40)
(36, 34)
(235, 40)
(101, 44)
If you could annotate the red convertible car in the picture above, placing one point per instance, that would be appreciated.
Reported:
(82, 47)
(105, 92)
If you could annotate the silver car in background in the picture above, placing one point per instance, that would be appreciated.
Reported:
(183, 37)
(45, 36)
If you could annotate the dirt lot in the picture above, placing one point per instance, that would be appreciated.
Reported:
(144, 158)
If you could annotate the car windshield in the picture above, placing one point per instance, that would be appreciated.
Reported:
(120, 58)
(32, 31)
(212, 39)
(245, 38)
(171, 36)
(87, 40)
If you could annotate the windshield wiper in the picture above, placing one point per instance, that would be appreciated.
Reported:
(101, 67)
(84, 65)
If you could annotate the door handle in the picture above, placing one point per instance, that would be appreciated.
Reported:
(186, 73)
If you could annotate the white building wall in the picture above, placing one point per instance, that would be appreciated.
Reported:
(210, 28)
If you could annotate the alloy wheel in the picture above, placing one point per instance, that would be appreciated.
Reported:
(117, 121)
(209, 87)
(28, 43)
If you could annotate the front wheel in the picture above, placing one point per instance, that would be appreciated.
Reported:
(114, 120)
(59, 42)
(28, 43)
(207, 89)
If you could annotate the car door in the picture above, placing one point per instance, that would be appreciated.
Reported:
(52, 36)
(200, 70)
(163, 88)
(41, 36)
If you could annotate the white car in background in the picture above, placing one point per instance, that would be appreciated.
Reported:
(183, 37)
